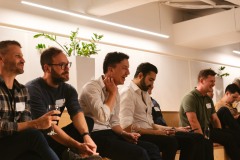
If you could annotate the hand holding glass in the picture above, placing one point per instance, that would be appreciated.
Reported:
(53, 107)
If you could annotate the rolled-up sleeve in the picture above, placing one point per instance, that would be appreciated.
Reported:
(115, 121)
(92, 101)
(127, 108)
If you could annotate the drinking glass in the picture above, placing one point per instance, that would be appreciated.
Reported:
(207, 132)
(50, 108)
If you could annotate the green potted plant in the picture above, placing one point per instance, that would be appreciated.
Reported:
(78, 52)
(220, 72)
(75, 47)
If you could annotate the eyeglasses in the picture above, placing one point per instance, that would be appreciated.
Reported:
(62, 65)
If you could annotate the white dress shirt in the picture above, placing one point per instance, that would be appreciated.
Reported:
(92, 101)
(135, 107)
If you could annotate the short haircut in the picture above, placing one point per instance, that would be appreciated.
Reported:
(205, 73)
(112, 59)
(145, 68)
(232, 88)
(48, 54)
(4, 45)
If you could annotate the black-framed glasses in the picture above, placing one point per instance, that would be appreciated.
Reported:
(63, 65)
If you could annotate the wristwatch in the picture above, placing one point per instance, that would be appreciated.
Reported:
(85, 133)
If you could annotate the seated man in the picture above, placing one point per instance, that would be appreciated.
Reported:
(206, 154)
(227, 114)
(51, 89)
(156, 110)
(197, 110)
(136, 108)
(19, 137)
(100, 100)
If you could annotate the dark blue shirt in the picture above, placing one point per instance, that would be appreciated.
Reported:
(43, 95)
(157, 114)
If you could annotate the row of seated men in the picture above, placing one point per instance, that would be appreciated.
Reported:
(124, 125)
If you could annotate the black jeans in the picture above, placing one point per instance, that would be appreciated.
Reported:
(194, 146)
(168, 145)
(115, 147)
(72, 132)
(229, 139)
(26, 145)
(227, 119)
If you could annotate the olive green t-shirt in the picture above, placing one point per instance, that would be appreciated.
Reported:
(195, 102)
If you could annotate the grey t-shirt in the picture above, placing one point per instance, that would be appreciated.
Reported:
(42, 95)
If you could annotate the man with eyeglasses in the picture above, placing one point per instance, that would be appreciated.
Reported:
(51, 90)
(20, 137)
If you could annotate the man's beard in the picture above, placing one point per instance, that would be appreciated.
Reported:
(56, 78)
(143, 85)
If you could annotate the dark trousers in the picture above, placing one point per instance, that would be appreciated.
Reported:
(194, 146)
(167, 144)
(26, 145)
(72, 132)
(229, 139)
(227, 119)
(115, 147)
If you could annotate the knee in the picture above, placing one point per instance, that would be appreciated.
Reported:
(223, 110)
(34, 134)
(141, 154)
(172, 143)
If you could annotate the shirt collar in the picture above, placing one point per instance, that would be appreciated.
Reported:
(101, 81)
(135, 87)
(198, 93)
(16, 84)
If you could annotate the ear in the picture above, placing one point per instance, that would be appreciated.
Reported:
(1, 59)
(227, 93)
(140, 75)
(201, 80)
(46, 68)
(110, 70)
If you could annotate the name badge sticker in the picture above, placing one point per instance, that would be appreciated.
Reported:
(156, 109)
(60, 102)
(20, 106)
(208, 105)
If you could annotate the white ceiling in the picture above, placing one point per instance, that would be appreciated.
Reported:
(212, 23)
(106, 7)
(204, 23)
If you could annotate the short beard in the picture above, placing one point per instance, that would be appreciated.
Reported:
(143, 85)
(56, 79)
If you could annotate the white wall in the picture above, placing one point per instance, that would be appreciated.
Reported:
(178, 66)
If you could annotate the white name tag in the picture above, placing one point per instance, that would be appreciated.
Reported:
(20, 106)
(60, 102)
(208, 105)
(156, 109)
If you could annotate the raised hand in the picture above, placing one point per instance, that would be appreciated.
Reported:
(110, 85)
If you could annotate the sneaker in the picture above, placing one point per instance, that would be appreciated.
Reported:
(70, 155)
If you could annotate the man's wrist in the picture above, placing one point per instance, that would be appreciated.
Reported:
(123, 132)
(33, 124)
(85, 133)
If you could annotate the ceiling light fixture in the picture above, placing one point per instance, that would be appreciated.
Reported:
(94, 19)
(235, 51)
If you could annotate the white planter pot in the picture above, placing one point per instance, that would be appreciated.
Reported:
(81, 71)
